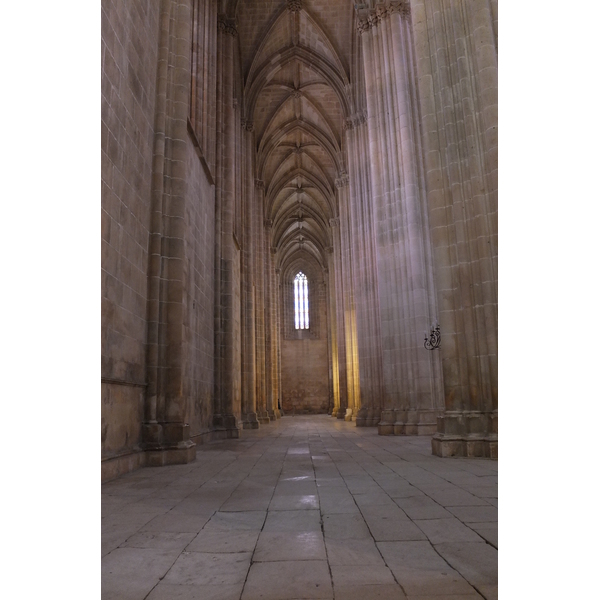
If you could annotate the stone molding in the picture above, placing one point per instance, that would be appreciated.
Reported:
(355, 120)
(226, 25)
(259, 183)
(335, 222)
(296, 94)
(382, 12)
(268, 223)
(342, 181)
(247, 125)
(294, 5)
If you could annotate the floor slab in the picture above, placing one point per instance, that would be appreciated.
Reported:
(304, 507)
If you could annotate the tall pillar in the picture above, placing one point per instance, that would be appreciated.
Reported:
(270, 332)
(412, 396)
(227, 401)
(456, 61)
(364, 273)
(259, 278)
(249, 416)
(346, 262)
(339, 319)
(165, 431)
(332, 333)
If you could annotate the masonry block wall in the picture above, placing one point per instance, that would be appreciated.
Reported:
(305, 382)
(129, 39)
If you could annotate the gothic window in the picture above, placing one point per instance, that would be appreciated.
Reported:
(301, 301)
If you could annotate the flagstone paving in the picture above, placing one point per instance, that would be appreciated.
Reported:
(306, 507)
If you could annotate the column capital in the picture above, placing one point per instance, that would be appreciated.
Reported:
(247, 125)
(342, 181)
(335, 222)
(259, 183)
(355, 120)
(268, 223)
(226, 25)
(371, 17)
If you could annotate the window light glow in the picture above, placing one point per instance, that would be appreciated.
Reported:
(301, 301)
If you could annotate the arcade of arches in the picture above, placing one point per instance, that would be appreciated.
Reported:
(247, 141)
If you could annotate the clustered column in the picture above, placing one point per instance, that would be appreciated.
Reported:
(364, 273)
(457, 70)
(340, 355)
(411, 398)
(346, 262)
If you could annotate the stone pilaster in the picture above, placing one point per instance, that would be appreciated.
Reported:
(260, 253)
(165, 431)
(249, 416)
(227, 407)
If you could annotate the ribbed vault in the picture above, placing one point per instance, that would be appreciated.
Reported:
(295, 97)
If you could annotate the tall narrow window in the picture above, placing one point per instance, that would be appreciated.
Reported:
(301, 301)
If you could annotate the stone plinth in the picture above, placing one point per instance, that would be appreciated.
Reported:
(472, 434)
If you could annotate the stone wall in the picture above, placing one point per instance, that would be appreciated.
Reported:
(199, 298)
(129, 42)
(304, 359)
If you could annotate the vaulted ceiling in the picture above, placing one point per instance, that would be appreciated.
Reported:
(296, 97)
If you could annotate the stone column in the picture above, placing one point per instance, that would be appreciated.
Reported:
(165, 432)
(227, 378)
(259, 278)
(270, 330)
(339, 319)
(249, 417)
(347, 260)
(332, 333)
(456, 61)
(279, 328)
(364, 273)
(411, 389)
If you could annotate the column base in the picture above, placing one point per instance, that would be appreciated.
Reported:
(250, 421)
(361, 417)
(263, 417)
(348, 415)
(184, 453)
(469, 434)
(225, 427)
(373, 417)
(167, 444)
(416, 422)
(341, 413)
(386, 424)
(474, 446)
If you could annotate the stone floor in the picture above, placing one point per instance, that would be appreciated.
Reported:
(306, 507)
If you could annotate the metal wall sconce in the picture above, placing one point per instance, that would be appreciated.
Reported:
(432, 341)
